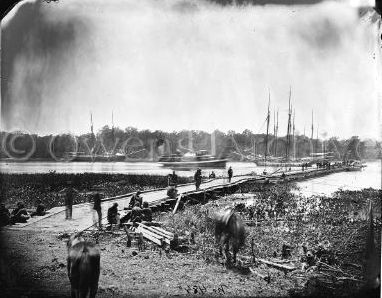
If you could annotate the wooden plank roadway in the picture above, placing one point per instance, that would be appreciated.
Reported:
(83, 214)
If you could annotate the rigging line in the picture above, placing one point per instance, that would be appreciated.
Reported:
(262, 125)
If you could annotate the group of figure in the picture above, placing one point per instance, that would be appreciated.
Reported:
(19, 214)
(323, 165)
(198, 177)
(139, 212)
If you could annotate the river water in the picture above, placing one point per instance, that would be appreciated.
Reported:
(368, 177)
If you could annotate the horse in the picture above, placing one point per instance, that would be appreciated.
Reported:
(229, 228)
(83, 264)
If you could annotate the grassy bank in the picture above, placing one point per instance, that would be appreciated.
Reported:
(286, 218)
(37, 259)
(28, 188)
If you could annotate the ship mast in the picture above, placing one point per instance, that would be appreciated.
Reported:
(289, 126)
(276, 132)
(294, 141)
(274, 125)
(112, 129)
(317, 138)
(91, 124)
(268, 118)
(311, 137)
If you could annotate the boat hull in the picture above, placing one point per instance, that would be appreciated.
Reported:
(353, 169)
(89, 158)
(280, 164)
(217, 163)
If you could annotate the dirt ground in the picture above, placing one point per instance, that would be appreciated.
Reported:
(33, 264)
(38, 264)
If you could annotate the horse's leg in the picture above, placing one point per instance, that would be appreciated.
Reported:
(226, 251)
(234, 250)
(74, 293)
(83, 293)
(93, 290)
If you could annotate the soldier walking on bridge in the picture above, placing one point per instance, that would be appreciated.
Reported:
(173, 179)
(230, 174)
(69, 198)
(198, 178)
(97, 209)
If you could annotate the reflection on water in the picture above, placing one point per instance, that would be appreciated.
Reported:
(115, 168)
(369, 177)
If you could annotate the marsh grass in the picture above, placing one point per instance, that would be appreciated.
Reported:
(28, 188)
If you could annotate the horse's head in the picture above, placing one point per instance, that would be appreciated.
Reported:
(74, 239)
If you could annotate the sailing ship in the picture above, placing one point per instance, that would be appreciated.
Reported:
(91, 156)
(273, 161)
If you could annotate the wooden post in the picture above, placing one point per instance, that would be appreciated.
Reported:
(177, 204)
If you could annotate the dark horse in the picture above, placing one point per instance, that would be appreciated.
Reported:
(229, 228)
(83, 265)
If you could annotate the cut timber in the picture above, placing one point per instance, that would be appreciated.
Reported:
(152, 223)
(165, 236)
(145, 231)
(164, 231)
(156, 231)
(150, 236)
(169, 234)
(278, 266)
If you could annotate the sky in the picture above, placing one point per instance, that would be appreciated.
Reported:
(183, 64)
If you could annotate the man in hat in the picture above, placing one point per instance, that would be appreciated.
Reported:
(136, 198)
(19, 214)
(136, 213)
(40, 209)
(69, 192)
(173, 179)
(113, 215)
(97, 207)
(147, 214)
(5, 215)
(230, 174)
(198, 178)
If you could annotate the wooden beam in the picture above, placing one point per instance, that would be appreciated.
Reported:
(177, 204)
(171, 235)
(278, 266)
(150, 236)
(155, 231)
(144, 231)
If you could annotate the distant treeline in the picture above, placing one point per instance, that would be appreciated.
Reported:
(149, 145)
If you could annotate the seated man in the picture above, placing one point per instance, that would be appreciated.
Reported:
(136, 213)
(5, 215)
(212, 175)
(113, 215)
(40, 210)
(126, 217)
(172, 192)
(134, 199)
(19, 214)
(147, 214)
